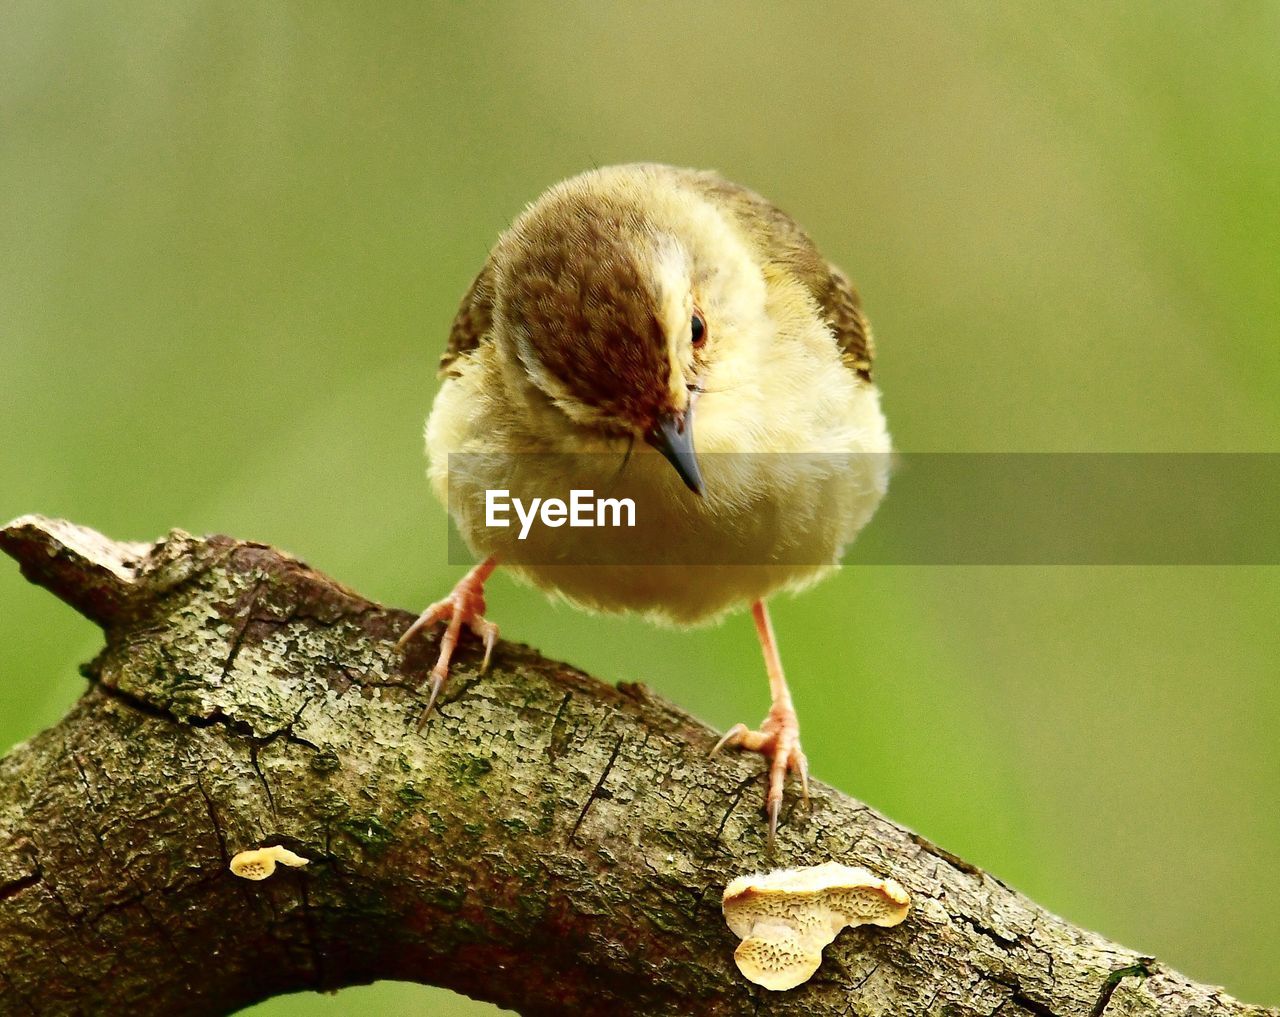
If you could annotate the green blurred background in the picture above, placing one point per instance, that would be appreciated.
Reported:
(234, 235)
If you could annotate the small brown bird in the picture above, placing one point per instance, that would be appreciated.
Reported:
(613, 304)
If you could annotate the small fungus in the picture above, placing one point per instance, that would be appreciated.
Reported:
(261, 862)
(785, 917)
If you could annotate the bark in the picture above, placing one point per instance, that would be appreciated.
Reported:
(547, 842)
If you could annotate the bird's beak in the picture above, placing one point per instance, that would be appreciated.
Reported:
(672, 435)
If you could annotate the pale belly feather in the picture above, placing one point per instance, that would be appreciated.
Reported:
(767, 522)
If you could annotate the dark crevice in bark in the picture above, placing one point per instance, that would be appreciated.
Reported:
(1022, 1001)
(17, 886)
(1138, 970)
(1000, 940)
(598, 791)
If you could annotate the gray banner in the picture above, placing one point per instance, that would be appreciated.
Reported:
(805, 509)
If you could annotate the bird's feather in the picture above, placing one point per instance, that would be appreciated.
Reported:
(782, 241)
(472, 321)
(775, 235)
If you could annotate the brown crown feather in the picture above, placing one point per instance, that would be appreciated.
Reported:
(572, 284)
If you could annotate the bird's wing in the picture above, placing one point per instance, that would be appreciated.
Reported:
(842, 307)
(471, 323)
(781, 240)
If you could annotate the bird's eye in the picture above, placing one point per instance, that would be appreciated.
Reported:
(698, 329)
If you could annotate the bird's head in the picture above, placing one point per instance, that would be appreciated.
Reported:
(613, 291)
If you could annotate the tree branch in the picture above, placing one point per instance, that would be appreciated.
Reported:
(548, 842)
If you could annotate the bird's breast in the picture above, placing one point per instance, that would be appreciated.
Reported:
(632, 538)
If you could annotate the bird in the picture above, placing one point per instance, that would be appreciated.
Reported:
(618, 301)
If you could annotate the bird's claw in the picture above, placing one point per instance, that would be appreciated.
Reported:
(464, 606)
(778, 741)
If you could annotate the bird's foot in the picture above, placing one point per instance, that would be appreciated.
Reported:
(463, 606)
(778, 740)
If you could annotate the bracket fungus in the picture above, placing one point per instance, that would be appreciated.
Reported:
(785, 917)
(261, 862)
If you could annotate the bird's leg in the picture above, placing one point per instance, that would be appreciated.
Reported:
(778, 739)
(463, 606)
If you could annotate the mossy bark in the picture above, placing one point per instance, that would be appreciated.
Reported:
(547, 842)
